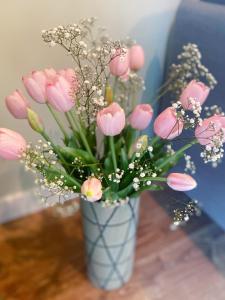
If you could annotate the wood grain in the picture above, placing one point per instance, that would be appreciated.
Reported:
(42, 258)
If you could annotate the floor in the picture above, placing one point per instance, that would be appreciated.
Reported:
(42, 257)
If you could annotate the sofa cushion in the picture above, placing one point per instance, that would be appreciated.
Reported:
(203, 23)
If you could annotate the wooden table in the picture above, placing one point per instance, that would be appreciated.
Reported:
(42, 257)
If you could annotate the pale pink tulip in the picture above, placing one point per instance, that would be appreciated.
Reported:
(69, 75)
(17, 105)
(181, 182)
(141, 116)
(136, 57)
(59, 94)
(12, 144)
(195, 90)
(35, 85)
(167, 125)
(111, 120)
(207, 130)
(92, 189)
(119, 64)
(125, 76)
(50, 74)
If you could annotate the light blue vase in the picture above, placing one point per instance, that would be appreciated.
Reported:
(110, 238)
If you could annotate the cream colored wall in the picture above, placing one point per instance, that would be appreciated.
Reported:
(22, 50)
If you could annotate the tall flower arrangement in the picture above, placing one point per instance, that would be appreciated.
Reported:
(104, 156)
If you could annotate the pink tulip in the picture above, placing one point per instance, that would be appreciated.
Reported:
(59, 94)
(35, 85)
(69, 75)
(208, 129)
(17, 105)
(141, 116)
(125, 76)
(111, 120)
(50, 74)
(92, 189)
(167, 126)
(136, 57)
(12, 144)
(198, 91)
(181, 182)
(119, 64)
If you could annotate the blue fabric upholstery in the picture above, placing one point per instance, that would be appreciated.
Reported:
(203, 23)
(215, 1)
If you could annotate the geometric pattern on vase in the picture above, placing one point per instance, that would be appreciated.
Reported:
(110, 238)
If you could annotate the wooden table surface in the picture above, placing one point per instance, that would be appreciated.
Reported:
(42, 257)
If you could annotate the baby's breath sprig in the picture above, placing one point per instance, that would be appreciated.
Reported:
(214, 152)
(91, 50)
(189, 164)
(182, 215)
(189, 67)
(55, 184)
(37, 157)
(169, 150)
(213, 110)
(190, 118)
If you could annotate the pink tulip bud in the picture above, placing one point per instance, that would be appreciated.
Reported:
(119, 64)
(136, 57)
(167, 125)
(141, 116)
(17, 105)
(59, 94)
(12, 144)
(35, 121)
(92, 189)
(209, 127)
(181, 182)
(111, 120)
(196, 91)
(35, 85)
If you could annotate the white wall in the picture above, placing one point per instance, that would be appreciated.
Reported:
(22, 50)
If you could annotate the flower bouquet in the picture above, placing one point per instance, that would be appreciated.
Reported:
(103, 154)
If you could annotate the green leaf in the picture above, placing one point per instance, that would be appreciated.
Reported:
(52, 173)
(123, 159)
(126, 191)
(130, 136)
(108, 164)
(110, 195)
(75, 140)
(147, 188)
(70, 154)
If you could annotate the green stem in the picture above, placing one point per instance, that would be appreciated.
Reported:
(80, 132)
(154, 140)
(177, 153)
(158, 97)
(161, 179)
(58, 122)
(112, 147)
(129, 188)
(115, 87)
(70, 121)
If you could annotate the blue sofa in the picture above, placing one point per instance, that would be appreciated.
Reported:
(203, 22)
